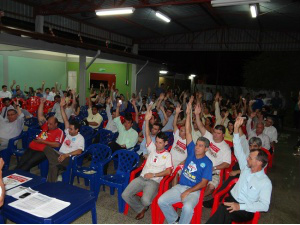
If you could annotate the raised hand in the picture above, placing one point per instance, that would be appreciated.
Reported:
(133, 102)
(188, 108)
(178, 109)
(197, 109)
(43, 100)
(226, 114)
(191, 99)
(253, 114)
(62, 102)
(238, 122)
(148, 115)
(161, 96)
(14, 82)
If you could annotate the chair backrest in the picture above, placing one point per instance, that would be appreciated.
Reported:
(30, 135)
(31, 122)
(86, 131)
(105, 136)
(127, 161)
(99, 153)
(269, 158)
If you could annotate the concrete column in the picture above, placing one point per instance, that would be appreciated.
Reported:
(39, 24)
(135, 50)
(5, 69)
(82, 79)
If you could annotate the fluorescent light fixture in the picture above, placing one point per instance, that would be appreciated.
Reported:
(163, 71)
(114, 11)
(253, 10)
(163, 17)
(193, 75)
(218, 3)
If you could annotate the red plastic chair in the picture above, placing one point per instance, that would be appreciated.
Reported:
(159, 218)
(140, 194)
(269, 159)
(225, 192)
(233, 162)
(230, 143)
(222, 175)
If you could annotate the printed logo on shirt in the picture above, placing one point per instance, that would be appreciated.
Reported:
(68, 143)
(202, 165)
(164, 157)
(73, 139)
(213, 150)
(44, 135)
(192, 167)
(155, 159)
(180, 147)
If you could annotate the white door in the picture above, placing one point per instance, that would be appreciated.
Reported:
(72, 79)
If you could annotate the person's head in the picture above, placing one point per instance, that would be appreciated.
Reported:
(94, 109)
(57, 99)
(206, 110)
(260, 128)
(53, 89)
(169, 112)
(18, 92)
(201, 146)
(255, 143)
(144, 101)
(259, 114)
(113, 113)
(167, 104)
(156, 128)
(182, 132)
(154, 119)
(74, 128)
(143, 108)
(12, 115)
(128, 121)
(269, 121)
(39, 90)
(4, 88)
(208, 121)
(133, 95)
(218, 133)
(122, 97)
(6, 102)
(17, 87)
(230, 126)
(161, 141)
(47, 90)
(162, 85)
(257, 159)
(65, 93)
(223, 112)
(31, 90)
(52, 123)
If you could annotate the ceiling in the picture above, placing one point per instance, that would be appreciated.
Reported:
(187, 16)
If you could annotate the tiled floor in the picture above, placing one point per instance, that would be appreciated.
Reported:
(285, 203)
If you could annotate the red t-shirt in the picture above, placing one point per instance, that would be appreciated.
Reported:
(56, 135)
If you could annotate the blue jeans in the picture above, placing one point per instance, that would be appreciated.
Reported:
(171, 197)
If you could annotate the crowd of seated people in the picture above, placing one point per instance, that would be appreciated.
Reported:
(197, 131)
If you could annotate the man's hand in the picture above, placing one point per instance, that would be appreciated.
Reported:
(148, 115)
(253, 114)
(197, 109)
(232, 206)
(39, 141)
(184, 195)
(149, 175)
(188, 108)
(61, 158)
(191, 99)
(43, 83)
(43, 100)
(238, 123)
(133, 102)
(233, 173)
(14, 82)
(1, 164)
(226, 114)
(118, 104)
(178, 109)
(62, 102)
(108, 100)
(145, 156)
(161, 96)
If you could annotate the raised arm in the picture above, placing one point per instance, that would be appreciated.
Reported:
(118, 109)
(18, 108)
(188, 128)
(198, 120)
(41, 117)
(63, 113)
(225, 117)
(73, 98)
(135, 110)
(147, 118)
(177, 111)
(13, 84)
(55, 87)
(160, 99)
(248, 125)
(238, 149)
(43, 86)
(166, 119)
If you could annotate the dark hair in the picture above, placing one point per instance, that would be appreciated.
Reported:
(56, 96)
(221, 128)
(261, 156)
(210, 120)
(171, 109)
(128, 117)
(159, 125)
(4, 86)
(47, 89)
(162, 135)
(5, 99)
(95, 107)
(75, 124)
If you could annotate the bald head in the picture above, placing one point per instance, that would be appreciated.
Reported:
(260, 128)
(52, 123)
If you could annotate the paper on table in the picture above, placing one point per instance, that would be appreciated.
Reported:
(14, 180)
(19, 191)
(40, 205)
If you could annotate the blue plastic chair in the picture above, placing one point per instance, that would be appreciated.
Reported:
(104, 136)
(127, 161)
(88, 133)
(32, 122)
(170, 140)
(92, 173)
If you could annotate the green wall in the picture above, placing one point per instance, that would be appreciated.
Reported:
(1, 70)
(118, 69)
(32, 72)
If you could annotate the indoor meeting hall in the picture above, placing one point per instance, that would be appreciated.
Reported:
(149, 111)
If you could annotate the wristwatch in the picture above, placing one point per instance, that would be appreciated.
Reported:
(215, 168)
(154, 175)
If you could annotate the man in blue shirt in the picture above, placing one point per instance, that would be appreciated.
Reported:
(196, 173)
(253, 190)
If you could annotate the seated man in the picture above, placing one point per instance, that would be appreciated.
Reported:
(5, 93)
(72, 145)
(271, 131)
(197, 171)
(110, 116)
(94, 119)
(167, 116)
(258, 132)
(219, 152)
(128, 137)
(11, 127)
(248, 195)
(50, 136)
(158, 165)
(7, 106)
(220, 114)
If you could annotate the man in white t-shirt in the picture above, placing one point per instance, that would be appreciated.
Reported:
(219, 152)
(158, 165)
(178, 150)
(11, 127)
(72, 145)
(94, 119)
(5, 93)
(271, 132)
(7, 106)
